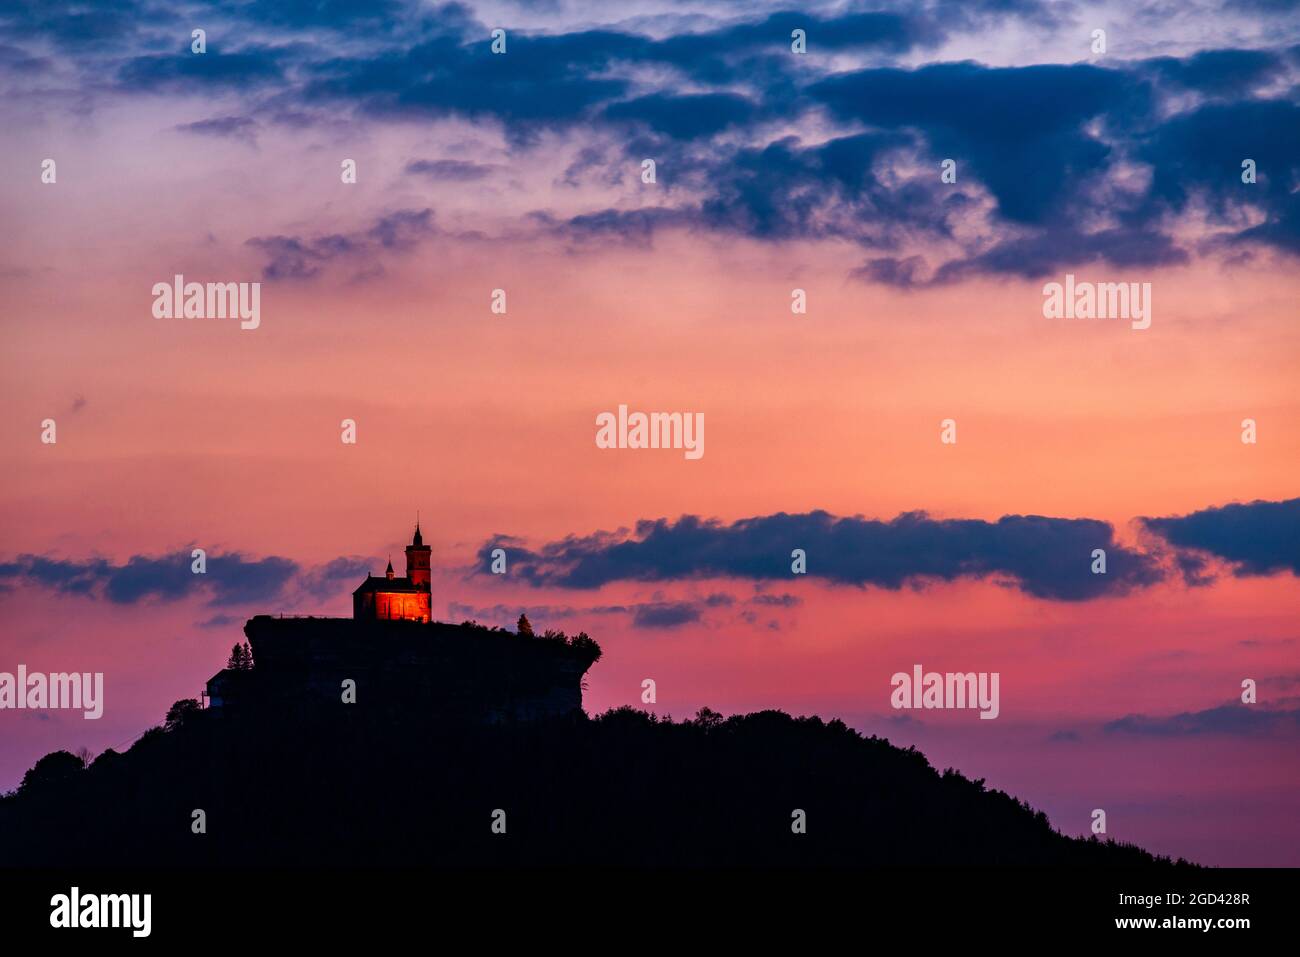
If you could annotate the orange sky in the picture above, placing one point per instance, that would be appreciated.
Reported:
(175, 433)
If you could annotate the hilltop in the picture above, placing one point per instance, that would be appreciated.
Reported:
(352, 786)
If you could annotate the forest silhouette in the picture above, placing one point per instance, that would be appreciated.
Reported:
(349, 786)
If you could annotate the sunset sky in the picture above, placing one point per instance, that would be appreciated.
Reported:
(775, 171)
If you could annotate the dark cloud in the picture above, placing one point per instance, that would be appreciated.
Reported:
(540, 615)
(1199, 154)
(221, 621)
(895, 32)
(230, 127)
(1256, 538)
(1044, 557)
(187, 72)
(657, 613)
(685, 117)
(1194, 568)
(903, 272)
(74, 26)
(788, 191)
(1021, 130)
(532, 87)
(292, 257)
(761, 49)
(629, 226)
(231, 579)
(337, 14)
(326, 581)
(1049, 558)
(1034, 257)
(665, 615)
(644, 615)
(592, 161)
(1260, 643)
(1219, 72)
(1043, 141)
(1046, 143)
(1229, 719)
(69, 577)
(452, 171)
(18, 60)
(423, 63)
(402, 229)
(295, 257)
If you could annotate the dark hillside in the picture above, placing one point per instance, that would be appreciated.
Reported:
(352, 787)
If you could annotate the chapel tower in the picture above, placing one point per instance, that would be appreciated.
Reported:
(417, 561)
(398, 599)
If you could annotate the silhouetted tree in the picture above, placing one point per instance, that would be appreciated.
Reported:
(585, 643)
(179, 712)
(53, 769)
(147, 738)
(525, 627)
(106, 759)
(241, 658)
(707, 718)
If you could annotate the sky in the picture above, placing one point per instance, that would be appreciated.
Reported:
(775, 171)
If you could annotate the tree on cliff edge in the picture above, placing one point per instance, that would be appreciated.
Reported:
(241, 658)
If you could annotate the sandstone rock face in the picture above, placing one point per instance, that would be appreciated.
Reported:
(458, 672)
